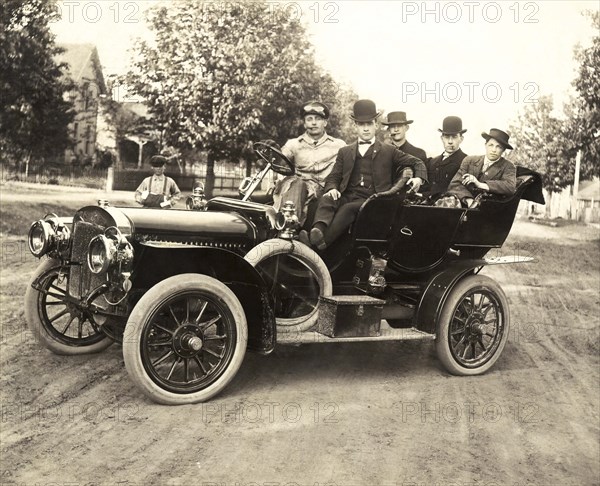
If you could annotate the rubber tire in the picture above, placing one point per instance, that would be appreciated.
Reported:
(35, 324)
(441, 339)
(148, 304)
(312, 260)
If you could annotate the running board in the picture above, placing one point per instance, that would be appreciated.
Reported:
(386, 333)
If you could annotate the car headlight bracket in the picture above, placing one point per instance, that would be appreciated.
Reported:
(49, 236)
(109, 250)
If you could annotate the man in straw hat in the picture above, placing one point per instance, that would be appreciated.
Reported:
(397, 126)
(442, 169)
(313, 154)
(158, 190)
(365, 168)
(488, 173)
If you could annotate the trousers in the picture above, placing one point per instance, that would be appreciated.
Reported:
(338, 215)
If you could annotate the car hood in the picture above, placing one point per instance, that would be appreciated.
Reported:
(160, 225)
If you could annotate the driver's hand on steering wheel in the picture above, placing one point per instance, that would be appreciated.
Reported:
(333, 194)
(414, 183)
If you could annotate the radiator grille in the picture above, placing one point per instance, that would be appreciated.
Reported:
(82, 280)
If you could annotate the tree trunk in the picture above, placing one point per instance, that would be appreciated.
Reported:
(248, 168)
(209, 185)
(27, 159)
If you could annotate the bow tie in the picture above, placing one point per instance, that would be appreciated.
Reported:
(364, 143)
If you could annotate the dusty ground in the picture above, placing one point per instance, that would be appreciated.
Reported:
(345, 414)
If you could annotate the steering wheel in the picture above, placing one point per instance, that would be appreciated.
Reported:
(270, 152)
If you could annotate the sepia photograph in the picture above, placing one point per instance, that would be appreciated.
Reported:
(300, 243)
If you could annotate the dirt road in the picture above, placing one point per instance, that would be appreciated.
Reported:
(345, 414)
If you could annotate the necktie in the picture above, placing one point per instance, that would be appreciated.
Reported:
(364, 143)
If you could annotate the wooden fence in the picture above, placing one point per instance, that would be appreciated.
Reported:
(60, 175)
(564, 205)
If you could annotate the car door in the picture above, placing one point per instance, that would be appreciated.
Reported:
(421, 236)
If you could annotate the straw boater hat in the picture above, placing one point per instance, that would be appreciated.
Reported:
(397, 118)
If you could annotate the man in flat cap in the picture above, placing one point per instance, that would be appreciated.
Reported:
(365, 168)
(397, 126)
(313, 154)
(442, 169)
(487, 173)
(158, 190)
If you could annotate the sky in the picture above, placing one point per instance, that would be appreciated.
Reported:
(482, 61)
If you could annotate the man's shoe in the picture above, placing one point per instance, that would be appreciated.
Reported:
(317, 238)
(303, 238)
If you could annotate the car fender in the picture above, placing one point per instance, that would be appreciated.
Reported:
(439, 286)
(157, 263)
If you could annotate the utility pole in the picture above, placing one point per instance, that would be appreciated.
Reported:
(575, 202)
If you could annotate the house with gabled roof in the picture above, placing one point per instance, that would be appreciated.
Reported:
(85, 70)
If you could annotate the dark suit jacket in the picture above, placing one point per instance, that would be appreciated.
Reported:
(388, 163)
(501, 176)
(410, 149)
(440, 172)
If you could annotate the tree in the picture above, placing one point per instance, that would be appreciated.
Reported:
(221, 75)
(34, 116)
(541, 144)
(584, 127)
(549, 144)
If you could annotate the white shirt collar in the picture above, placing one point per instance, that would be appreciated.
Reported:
(363, 147)
(487, 163)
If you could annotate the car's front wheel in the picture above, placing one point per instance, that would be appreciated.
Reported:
(473, 326)
(185, 339)
(57, 320)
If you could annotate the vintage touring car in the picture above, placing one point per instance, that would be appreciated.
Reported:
(186, 292)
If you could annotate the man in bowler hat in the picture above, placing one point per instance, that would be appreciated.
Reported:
(487, 173)
(363, 169)
(313, 154)
(442, 169)
(158, 190)
(397, 126)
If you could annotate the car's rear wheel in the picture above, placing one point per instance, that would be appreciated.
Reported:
(56, 320)
(185, 339)
(296, 277)
(473, 326)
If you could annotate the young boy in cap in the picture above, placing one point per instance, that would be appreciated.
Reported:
(362, 169)
(313, 154)
(397, 126)
(442, 169)
(158, 190)
(488, 173)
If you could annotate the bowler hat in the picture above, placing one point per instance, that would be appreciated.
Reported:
(451, 126)
(500, 137)
(364, 111)
(396, 118)
(315, 108)
(158, 161)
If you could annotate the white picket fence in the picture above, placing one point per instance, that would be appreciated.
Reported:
(564, 205)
